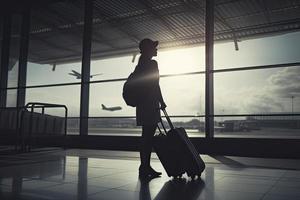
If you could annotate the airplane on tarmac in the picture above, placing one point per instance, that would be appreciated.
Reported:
(111, 108)
(78, 75)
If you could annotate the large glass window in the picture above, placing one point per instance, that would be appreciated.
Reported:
(262, 91)
(110, 35)
(54, 55)
(261, 102)
(55, 43)
(261, 51)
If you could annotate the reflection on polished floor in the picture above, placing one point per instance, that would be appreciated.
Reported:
(91, 174)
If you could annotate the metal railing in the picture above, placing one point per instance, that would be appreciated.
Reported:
(20, 137)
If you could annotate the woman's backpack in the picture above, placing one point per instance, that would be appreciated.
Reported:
(131, 90)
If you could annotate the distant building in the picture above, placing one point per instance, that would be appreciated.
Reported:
(277, 121)
(238, 125)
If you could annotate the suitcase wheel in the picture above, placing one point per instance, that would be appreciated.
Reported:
(191, 175)
(178, 176)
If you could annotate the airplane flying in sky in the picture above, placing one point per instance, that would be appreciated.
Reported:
(78, 75)
(111, 108)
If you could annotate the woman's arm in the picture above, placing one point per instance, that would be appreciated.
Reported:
(155, 75)
(160, 98)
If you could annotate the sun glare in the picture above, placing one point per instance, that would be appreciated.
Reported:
(181, 60)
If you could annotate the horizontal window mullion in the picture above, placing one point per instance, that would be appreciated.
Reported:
(120, 117)
(190, 116)
(164, 76)
(257, 115)
(48, 85)
(257, 67)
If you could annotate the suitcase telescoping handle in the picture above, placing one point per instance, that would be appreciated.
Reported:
(168, 119)
(162, 124)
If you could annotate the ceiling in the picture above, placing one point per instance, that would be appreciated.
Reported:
(56, 29)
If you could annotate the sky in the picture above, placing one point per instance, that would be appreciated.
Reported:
(244, 92)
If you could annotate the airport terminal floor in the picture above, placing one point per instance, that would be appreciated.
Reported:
(112, 175)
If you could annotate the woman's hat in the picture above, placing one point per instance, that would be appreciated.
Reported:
(147, 44)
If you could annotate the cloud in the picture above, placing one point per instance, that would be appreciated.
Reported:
(273, 96)
(286, 82)
(263, 103)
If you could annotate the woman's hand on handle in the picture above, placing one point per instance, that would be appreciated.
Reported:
(163, 105)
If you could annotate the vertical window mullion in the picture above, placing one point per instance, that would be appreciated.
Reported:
(5, 58)
(85, 69)
(23, 57)
(209, 89)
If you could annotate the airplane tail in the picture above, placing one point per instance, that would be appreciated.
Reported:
(103, 106)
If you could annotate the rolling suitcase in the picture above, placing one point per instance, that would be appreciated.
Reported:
(167, 152)
(178, 150)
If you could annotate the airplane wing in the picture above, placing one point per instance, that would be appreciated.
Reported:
(111, 108)
(96, 74)
(72, 74)
(92, 75)
(77, 73)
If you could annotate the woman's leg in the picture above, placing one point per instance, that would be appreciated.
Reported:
(145, 169)
(146, 145)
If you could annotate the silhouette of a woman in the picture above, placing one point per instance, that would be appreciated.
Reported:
(148, 107)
